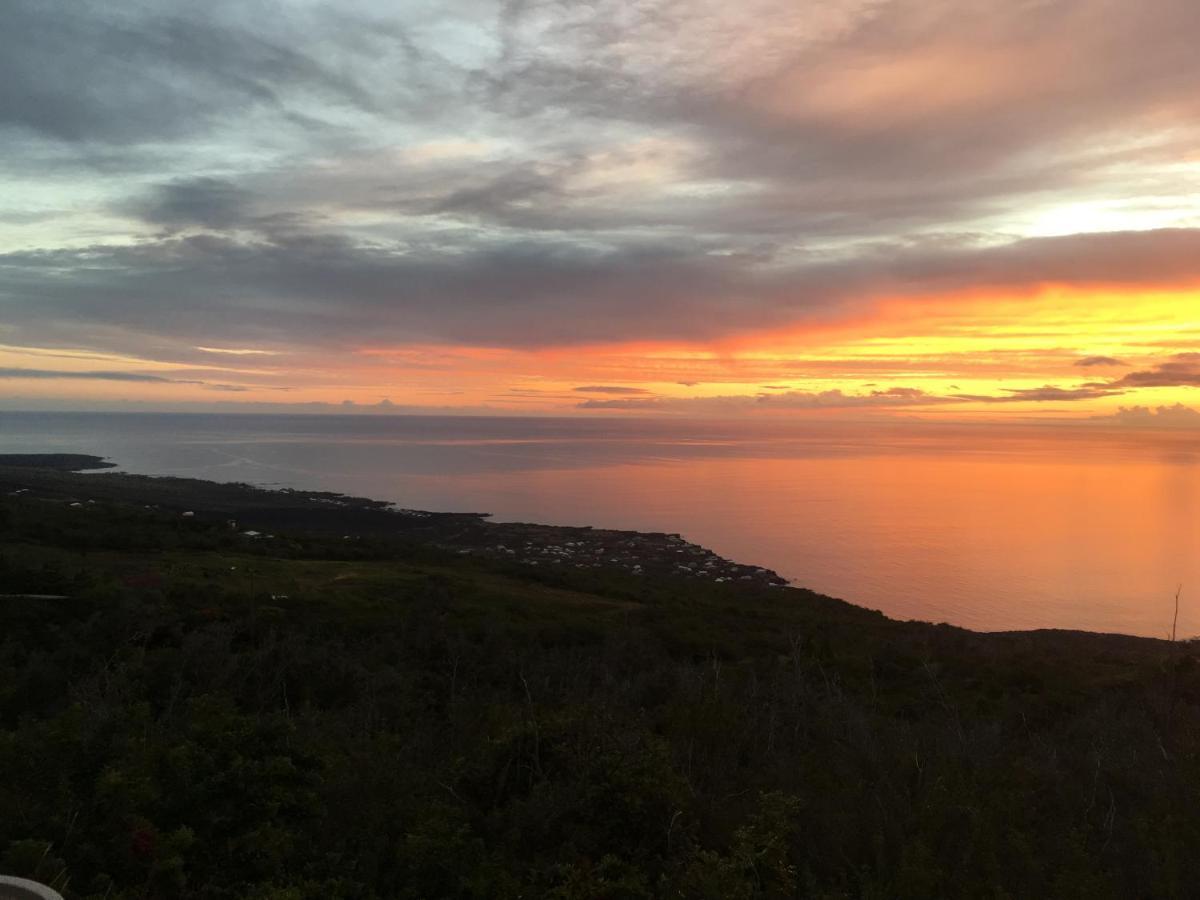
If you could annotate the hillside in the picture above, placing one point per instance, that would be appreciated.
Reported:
(348, 705)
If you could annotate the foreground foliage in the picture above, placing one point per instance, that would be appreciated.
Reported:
(209, 717)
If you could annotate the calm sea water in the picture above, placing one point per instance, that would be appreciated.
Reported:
(987, 527)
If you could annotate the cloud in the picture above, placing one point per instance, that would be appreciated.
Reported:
(504, 195)
(39, 374)
(134, 377)
(837, 399)
(326, 176)
(1181, 370)
(120, 74)
(792, 400)
(1043, 394)
(889, 398)
(1176, 416)
(1088, 361)
(900, 394)
(238, 351)
(609, 389)
(328, 290)
(213, 203)
(909, 106)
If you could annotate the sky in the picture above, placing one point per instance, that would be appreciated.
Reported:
(932, 209)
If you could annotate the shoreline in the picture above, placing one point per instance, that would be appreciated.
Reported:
(261, 510)
(83, 480)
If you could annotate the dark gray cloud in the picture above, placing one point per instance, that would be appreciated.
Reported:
(1043, 394)
(133, 377)
(609, 389)
(1181, 370)
(897, 394)
(501, 196)
(212, 203)
(44, 374)
(327, 290)
(1089, 361)
(125, 73)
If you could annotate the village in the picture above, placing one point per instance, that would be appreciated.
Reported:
(634, 552)
(255, 515)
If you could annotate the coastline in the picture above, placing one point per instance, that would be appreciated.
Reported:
(261, 510)
(538, 550)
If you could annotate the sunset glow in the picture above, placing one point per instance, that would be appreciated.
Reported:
(948, 211)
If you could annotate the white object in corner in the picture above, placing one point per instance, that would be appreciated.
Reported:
(21, 889)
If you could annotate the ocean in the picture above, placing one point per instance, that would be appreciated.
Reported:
(988, 527)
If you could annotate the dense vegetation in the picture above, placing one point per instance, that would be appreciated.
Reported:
(189, 713)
